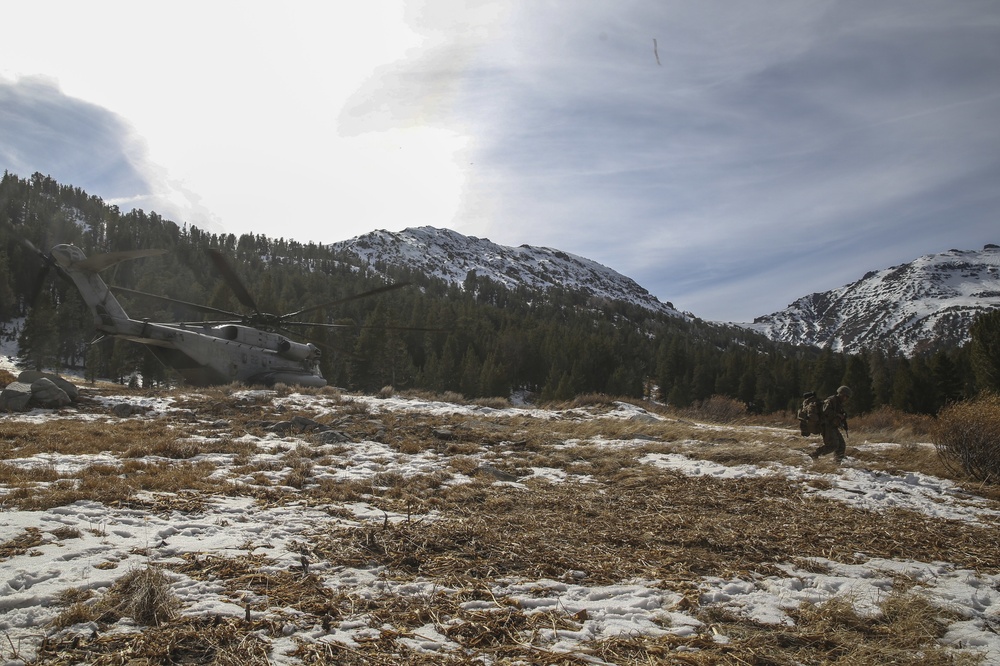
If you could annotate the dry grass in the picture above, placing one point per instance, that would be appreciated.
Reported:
(78, 437)
(891, 425)
(210, 640)
(23, 543)
(628, 521)
(652, 526)
(903, 632)
(143, 595)
(6, 378)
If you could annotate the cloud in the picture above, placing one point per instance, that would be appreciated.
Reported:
(73, 141)
(769, 142)
(775, 147)
(87, 146)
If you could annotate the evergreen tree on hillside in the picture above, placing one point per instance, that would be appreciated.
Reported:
(491, 339)
(858, 377)
(39, 340)
(985, 351)
(8, 301)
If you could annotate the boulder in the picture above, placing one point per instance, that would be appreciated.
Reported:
(31, 376)
(304, 424)
(15, 397)
(45, 393)
(121, 410)
(333, 437)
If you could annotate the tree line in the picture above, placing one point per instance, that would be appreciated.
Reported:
(478, 338)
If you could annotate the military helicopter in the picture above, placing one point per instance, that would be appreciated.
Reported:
(250, 348)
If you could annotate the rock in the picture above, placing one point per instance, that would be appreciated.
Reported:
(45, 393)
(122, 410)
(31, 376)
(15, 397)
(303, 424)
(280, 428)
(333, 437)
(490, 470)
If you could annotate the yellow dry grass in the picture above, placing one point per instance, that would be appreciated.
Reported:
(615, 519)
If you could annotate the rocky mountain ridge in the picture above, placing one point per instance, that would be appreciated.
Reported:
(923, 305)
(451, 256)
(920, 306)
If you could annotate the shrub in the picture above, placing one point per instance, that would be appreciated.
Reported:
(892, 425)
(720, 409)
(967, 437)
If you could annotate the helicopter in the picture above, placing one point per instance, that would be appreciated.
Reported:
(251, 349)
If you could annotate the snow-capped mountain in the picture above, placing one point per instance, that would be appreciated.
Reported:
(923, 305)
(452, 256)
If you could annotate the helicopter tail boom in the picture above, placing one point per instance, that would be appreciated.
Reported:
(109, 315)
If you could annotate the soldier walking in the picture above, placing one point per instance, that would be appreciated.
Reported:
(833, 417)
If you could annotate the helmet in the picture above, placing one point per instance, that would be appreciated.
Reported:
(844, 391)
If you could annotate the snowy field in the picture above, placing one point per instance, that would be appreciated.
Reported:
(80, 549)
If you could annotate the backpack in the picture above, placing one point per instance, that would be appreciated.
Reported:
(810, 415)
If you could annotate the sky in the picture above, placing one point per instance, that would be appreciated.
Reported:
(729, 156)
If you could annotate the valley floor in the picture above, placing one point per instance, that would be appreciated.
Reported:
(283, 527)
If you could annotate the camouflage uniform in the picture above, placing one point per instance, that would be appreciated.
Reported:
(832, 418)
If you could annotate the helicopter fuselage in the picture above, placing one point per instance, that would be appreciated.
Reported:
(213, 354)
(209, 353)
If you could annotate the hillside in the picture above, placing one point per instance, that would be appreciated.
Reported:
(924, 305)
(477, 319)
(572, 326)
(280, 527)
(462, 260)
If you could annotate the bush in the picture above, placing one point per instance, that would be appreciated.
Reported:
(892, 425)
(967, 437)
(721, 409)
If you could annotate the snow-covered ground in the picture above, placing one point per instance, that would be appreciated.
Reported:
(88, 546)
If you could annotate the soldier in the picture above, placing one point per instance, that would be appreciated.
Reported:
(832, 418)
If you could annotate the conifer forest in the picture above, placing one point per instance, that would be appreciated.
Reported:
(478, 339)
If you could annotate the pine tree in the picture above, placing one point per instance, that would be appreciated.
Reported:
(827, 373)
(858, 378)
(39, 340)
(947, 379)
(985, 351)
(903, 389)
(8, 302)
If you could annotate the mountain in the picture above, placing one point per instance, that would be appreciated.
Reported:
(451, 256)
(924, 305)
(486, 320)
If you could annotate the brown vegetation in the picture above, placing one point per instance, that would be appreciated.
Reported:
(619, 520)
(967, 438)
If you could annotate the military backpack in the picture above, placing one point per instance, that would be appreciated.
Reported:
(811, 414)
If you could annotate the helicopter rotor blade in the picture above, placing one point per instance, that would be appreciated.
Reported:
(194, 306)
(233, 280)
(99, 262)
(317, 324)
(47, 262)
(365, 294)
